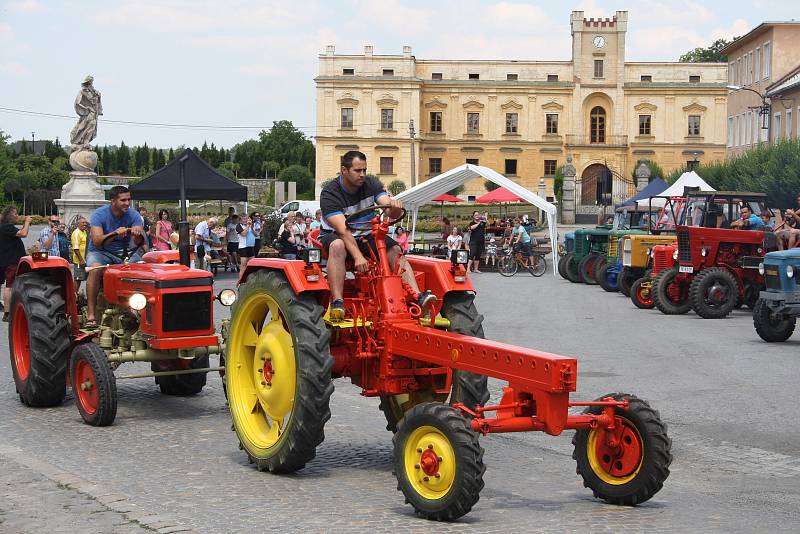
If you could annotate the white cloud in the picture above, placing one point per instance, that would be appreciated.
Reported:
(592, 10)
(29, 7)
(14, 69)
(390, 16)
(512, 16)
(738, 28)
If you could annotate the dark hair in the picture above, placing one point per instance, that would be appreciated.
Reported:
(162, 212)
(347, 159)
(5, 218)
(116, 191)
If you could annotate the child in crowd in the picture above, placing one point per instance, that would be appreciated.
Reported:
(454, 241)
(491, 253)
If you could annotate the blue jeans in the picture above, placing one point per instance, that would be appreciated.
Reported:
(105, 257)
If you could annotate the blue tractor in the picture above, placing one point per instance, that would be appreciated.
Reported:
(778, 306)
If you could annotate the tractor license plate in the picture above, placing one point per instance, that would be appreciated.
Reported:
(685, 269)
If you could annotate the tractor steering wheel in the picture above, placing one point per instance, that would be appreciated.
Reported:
(137, 240)
(361, 225)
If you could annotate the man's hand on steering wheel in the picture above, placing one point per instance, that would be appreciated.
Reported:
(388, 209)
(395, 209)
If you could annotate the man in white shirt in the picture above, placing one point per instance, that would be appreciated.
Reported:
(202, 240)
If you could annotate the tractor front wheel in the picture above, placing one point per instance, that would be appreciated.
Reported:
(39, 338)
(628, 464)
(278, 372)
(625, 280)
(771, 326)
(470, 389)
(562, 267)
(438, 462)
(713, 293)
(669, 296)
(94, 385)
(571, 268)
(642, 294)
(608, 279)
(586, 269)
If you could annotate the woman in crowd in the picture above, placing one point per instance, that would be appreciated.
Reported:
(401, 237)
(163, 230)
(11, 250)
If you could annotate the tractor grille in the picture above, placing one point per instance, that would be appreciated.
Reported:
(187, 311)
(661, 261)
(613, 246)
(580, 246)
(771, 277)
(684, 250)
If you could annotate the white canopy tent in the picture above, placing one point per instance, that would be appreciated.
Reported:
(687, 179)
(423, 193)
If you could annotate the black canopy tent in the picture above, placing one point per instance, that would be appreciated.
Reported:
(188, 177)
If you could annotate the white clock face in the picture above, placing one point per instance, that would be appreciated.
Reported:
(599, 41)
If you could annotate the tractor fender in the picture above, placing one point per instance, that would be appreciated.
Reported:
(436, 275)
(294, 270)
(61, 270)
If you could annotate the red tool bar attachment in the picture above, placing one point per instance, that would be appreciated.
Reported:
(526, 369)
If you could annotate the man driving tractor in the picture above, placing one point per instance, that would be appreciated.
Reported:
(111, 226)
(346, 195)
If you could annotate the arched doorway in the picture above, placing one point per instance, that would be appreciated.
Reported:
(593, 174)
(597, 125)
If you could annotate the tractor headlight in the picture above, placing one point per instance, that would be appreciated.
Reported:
(789, 271)
(137, 301)
(313, 255)
(704, 252)
(227, 297)
(675, 254)
(462, 257)
(39, 255)
(761, 268)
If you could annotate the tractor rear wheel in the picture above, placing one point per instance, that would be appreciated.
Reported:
(625, 280)
(642, 294)
(670, 297)
(713, 293)
(600, 268)
(633, 471)
(470, 389)
(181, 385)
(39, 339)
(608, 279)
(278, 373)
(94, 384)
(562, 267)
(571, 268)
(771, 326)
(438, 462)
(586, 269)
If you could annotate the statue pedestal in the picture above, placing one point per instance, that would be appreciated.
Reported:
(80, 196)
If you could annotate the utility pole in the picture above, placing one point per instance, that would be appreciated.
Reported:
(33, 146)
(413, 134)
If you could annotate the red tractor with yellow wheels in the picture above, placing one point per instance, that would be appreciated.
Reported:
(428, 367)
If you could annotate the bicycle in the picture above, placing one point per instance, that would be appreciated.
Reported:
(509, 263)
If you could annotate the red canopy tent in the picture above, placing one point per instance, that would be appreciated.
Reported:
(441, 199)
(499, 195)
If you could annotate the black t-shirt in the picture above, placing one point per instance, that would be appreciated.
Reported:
(287, 247)
(478, 234)
(11, 247)
(335, 199)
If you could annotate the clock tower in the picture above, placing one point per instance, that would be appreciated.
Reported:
(598, 48)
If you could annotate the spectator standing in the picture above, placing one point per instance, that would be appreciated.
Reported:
(11, 250)
(247, 239)
(63, 242)
(258, 227)
(148, 225)
(232, 238)
(202, 240)
(231, 213)
(317, 222)
(48, 236)
(477, 236)
(491, 253)
(288, 243)
(445, 228)
(454, 241)
(78, 241)
(162, 232)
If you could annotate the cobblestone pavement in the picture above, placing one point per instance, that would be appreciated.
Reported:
(172, 463)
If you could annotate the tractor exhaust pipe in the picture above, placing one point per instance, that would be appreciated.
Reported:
(183, 225)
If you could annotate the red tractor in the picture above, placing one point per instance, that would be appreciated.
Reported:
(428, 368)
(717, 267)
(157, 311)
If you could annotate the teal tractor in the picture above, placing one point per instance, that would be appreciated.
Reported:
(778, 305)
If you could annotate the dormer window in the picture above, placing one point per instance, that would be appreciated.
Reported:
(436, 75)
(512, 77)
(348, 72)
(694, 79)
(646, 78)
(552, 77)
(388, 72)
(474, 76)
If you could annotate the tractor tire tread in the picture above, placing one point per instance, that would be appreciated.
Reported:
(106, 384)
(697, 290)
(766, 327)
(660, 299)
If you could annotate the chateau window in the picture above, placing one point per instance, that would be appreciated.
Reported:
(750, 78)
(512, 120)
(777, 126)
(598, 68)
(730, 131)
(694, 79)
(550, 167)
(434, 166)
(788, 124)
(646, 78)
(472, 161)
(551, 123)
(598, 125)
(348, 72)
(552, 77)
(757, 65)
(512, 77)
(436, 75)
(511, 167)
(739, 71)
(474, 76)
(388, 72)
(692, 164)
(767, 60)
(436, 121)
(731, 79)
(473, 122)
(694, 124)
(387, 165)
(387, 119)
(645, 124)
(347, 118)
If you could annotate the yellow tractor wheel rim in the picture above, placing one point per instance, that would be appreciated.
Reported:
(430, 462)
(261, 373)
(600, 467)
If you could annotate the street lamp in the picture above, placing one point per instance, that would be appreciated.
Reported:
(763, 110)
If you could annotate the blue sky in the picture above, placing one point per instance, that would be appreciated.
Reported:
(251, 62)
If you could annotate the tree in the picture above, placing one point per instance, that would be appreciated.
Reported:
(712, 54)
(655, 170)
(270, 168)
(108, 160)
(122, 159)
(456, 191)
(171, 155)
(300, 175)
(396, 187)
(490, 185)
(229, 169)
